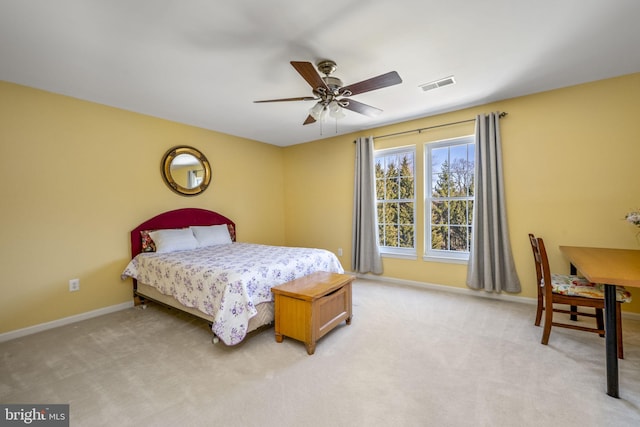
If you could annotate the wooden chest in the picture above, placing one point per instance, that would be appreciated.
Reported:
(308, 308)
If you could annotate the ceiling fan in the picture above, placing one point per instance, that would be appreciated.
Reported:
(331, 95)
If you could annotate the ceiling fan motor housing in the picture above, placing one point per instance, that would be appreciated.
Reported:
(333, 83)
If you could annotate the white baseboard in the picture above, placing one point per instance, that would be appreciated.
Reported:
(465, 291)
(64, 321)
(389, 280)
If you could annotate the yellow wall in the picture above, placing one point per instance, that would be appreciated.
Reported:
(75, 177)
(571, 161)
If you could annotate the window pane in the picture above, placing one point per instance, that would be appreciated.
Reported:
(406, 236)
(406, 213)
(458, 212)
(438, 157)
(460, 177)
(379, 168)
(406, 188)
(440, 238)
(436, 187)
(381, 235)
(406, 165)
(440, 212)
(441, 183)
(380, 189)
(457, 153)
(392, 167)
(472, 184)
(390, 235)
(391, 213)
(459, 239)
(392, 189)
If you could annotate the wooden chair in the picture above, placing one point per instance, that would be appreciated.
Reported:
(574, 292)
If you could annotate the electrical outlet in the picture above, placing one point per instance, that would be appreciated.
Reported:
(339, 251)
(74, 285)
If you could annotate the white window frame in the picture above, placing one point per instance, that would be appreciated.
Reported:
(391, 251)
(461, 257)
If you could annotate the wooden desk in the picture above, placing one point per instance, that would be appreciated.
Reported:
(611, 267)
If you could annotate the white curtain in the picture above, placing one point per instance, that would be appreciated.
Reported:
(365, 255)
(491, 266)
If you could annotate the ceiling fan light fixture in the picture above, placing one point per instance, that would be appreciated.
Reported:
(338, 114)
(335, 110)
(323, 113)
(316, 110)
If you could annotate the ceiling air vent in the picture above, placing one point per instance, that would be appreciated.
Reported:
(438, 83)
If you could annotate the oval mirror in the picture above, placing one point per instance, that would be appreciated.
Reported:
(186, 170)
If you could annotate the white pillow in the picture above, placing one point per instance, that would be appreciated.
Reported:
(211, 235)
(173, 240)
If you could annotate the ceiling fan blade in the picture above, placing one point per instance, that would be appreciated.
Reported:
(309, 120)
(309, 73)
(301, 98)
(389, 79)
(359, 107)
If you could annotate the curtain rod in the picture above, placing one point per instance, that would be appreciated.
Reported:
(501, 115)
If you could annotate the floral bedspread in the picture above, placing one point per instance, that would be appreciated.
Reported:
(228, 281)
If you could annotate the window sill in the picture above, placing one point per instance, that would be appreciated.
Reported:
(446, 260)
(399, 255)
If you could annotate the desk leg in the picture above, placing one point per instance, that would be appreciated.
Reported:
(611, 344)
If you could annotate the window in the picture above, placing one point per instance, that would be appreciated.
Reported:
(449, 197)
(395, 194)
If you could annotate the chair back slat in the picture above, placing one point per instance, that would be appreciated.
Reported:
(543, 273)
(537, 259)
(546, 271)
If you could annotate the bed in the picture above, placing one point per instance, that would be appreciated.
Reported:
(225, 282)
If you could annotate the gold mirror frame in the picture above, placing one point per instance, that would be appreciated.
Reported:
(179, 184)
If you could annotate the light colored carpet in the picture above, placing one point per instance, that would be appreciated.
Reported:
(411, 357)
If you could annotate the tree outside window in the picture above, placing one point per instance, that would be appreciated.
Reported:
(450, 198)
(395, 191)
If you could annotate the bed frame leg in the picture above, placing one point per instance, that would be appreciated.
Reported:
(214, 338)
(138, 301)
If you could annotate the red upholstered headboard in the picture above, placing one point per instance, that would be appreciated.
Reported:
(179, 218)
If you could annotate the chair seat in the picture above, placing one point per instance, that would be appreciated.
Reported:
(567, 284)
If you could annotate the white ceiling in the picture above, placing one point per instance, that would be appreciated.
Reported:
(204, 62)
